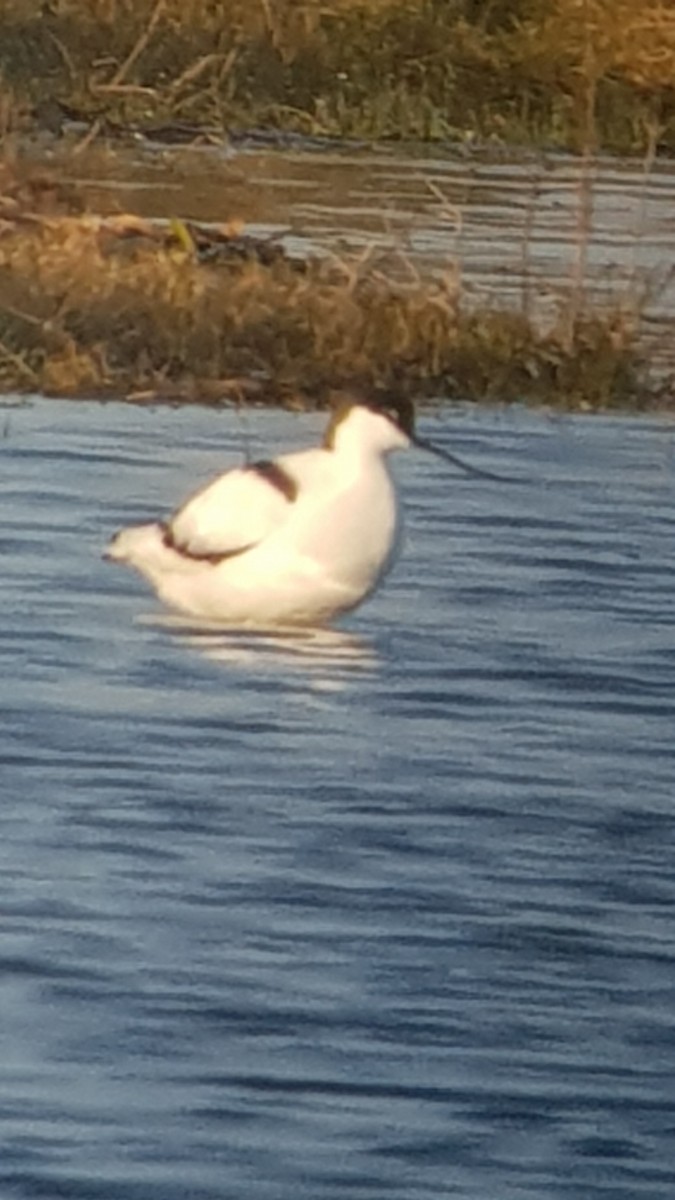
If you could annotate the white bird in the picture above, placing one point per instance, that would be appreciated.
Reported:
(296, 541)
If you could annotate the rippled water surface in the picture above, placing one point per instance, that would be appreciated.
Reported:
(509, 228)
(387, 912)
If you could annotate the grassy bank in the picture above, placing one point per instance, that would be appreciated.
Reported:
(126, 306)
(554, 72)
(120, 306)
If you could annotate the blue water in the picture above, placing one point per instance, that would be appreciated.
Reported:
(383, 913)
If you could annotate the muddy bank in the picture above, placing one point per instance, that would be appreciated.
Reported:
(121, 304)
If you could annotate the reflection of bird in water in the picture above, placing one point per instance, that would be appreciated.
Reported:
(325, 658)
(296, 541)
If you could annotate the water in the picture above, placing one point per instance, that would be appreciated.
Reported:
(507, 227)
(384, 913)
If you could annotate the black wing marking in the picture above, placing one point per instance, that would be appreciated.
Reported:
(194, 556)
(275, 474)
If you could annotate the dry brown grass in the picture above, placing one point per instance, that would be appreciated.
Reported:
(120, 305)
(507, 69)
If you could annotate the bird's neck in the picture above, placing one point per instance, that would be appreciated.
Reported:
(350, 448)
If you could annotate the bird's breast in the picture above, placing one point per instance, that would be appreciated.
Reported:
(348, 524)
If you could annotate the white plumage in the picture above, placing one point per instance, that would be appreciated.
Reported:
(295, 541)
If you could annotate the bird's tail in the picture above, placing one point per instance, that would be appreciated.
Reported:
(136, 545)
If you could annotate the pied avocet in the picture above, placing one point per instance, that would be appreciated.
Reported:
(296, 541)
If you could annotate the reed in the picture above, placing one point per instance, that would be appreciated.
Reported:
(122, 306)
(510, 71)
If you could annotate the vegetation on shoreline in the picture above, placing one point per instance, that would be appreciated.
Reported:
(110, 306)
(549, 72)
(121, 305)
